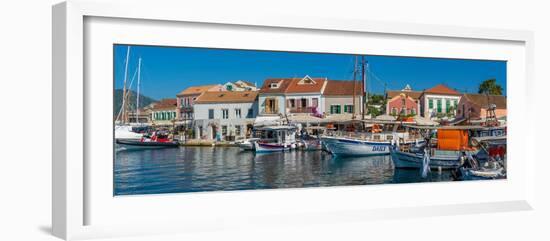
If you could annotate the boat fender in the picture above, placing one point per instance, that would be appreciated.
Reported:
(425, 164)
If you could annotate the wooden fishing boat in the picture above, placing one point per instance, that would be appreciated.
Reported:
(373, 144)
(441, 153)
(438, 159)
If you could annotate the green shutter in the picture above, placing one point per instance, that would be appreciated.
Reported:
(431, 103)
(439, 106)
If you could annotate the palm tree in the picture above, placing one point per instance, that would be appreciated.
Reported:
(490, 87)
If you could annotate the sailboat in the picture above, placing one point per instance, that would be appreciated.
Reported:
(123, 129)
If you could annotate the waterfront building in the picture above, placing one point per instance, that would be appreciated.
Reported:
(281, 96)
(403, 102)
(187, 97)
(143, 116)
(271, 98)
(476, 106)
(226, 115)
(338, 97)
(239, 85)
(439, 101)
(164, 111)
(304, 96)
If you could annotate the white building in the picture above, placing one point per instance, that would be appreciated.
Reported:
(292, 95)
(227, 115)
(439, 101)
(164, 112)
(239, 85)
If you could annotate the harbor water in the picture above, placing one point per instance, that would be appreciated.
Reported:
(198, 169)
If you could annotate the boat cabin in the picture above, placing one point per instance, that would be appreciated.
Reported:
(276, 134)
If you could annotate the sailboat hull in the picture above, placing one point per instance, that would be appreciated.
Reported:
(139, 145)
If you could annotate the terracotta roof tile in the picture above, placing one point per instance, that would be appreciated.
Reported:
(483, 101)
(283, 84)
(165, 104)
(441, 89)
(227, 97)
(342, 87)
(193, 90)
(413, 94)
(296, 86)
(293, 85)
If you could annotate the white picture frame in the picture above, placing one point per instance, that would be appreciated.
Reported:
(74, 190)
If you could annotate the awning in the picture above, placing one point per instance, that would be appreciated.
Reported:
(422, 121)
(267, 121)
(304, 119)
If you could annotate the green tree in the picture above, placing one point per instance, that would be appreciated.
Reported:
(373, 111)
(451, 112)
(376, 99)
(490, 87)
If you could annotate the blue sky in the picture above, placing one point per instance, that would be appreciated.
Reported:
(166, 71)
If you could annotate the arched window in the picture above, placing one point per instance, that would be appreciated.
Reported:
(394, 111)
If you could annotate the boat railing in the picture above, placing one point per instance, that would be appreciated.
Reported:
(373, 137)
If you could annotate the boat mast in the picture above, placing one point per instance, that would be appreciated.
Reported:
(363, 88)
(124, 116)
(137, 97)
(354, 84)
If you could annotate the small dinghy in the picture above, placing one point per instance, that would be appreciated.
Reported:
(471, 169)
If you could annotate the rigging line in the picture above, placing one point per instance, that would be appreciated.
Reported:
(348, 72)
(129, 88)
(380, 80)
(132, 80)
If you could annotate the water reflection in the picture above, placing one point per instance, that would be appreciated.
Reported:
(193, 169)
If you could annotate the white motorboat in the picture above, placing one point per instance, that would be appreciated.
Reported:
(276, 139)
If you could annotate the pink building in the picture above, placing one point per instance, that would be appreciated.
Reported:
(474, 106)
(404, 102)
(187, 97)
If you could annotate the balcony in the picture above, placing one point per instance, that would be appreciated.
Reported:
(308, 109)
(269, 112)
(186, 108)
